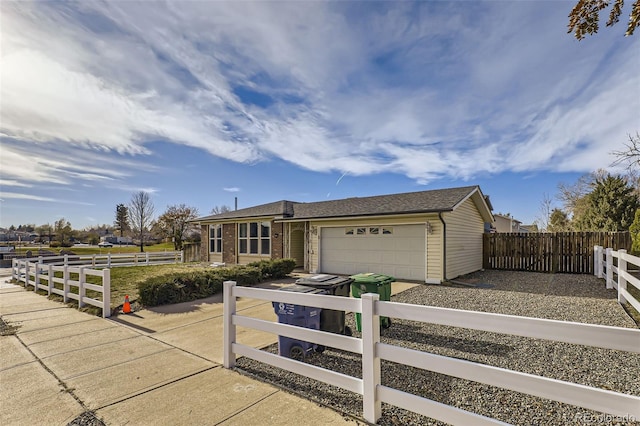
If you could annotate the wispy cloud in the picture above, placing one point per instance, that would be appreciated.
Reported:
(231, 189)
(20, 196)
(427, 90)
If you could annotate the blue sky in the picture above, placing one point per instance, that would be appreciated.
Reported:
(201, 102)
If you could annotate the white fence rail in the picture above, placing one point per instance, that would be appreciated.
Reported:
(63, 279)
(373, 351)
(619, 264)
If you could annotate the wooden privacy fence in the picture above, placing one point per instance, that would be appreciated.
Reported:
(570, 252)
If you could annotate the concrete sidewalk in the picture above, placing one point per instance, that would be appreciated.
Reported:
(154, 367)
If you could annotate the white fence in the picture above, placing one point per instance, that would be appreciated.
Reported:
(45, 277)
(618, 263)
(373, 351)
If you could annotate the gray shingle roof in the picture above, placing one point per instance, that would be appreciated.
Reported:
(278, 208)
(438, 200)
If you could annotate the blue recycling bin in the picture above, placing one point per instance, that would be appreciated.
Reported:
(301, 316)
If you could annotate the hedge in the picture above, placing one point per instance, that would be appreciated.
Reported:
(186, 286)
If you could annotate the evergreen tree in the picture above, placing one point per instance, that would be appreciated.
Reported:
(609, 207)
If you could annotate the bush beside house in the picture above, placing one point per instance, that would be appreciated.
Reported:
(187, 286)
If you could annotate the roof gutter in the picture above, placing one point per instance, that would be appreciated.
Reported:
(359, 217)
(444, 247)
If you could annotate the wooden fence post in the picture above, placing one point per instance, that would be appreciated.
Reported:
(372, 407)
(622, 282)
(609, 267)
(229, 310)
(106, 293)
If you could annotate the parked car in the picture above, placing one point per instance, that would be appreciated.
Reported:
(105, 244)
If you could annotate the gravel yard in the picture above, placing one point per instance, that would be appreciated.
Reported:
(579, 298)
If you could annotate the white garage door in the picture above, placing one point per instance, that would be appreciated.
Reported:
(398, 251)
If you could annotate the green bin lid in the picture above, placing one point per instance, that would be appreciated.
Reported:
(371, 277)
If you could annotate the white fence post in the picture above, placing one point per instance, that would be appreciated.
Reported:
(66, 260)
(371, 405)
(229, 309)
(51, 277)
(182, 256)
(147, 257)
(36, 276)
(106, 293)
(26, 275)
(622, 282)
(65, 283)
(93, 260)
(596, 262)
(609, 268)
(81, 290)
(109, 260)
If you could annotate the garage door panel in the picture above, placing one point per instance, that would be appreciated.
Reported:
(400, 254)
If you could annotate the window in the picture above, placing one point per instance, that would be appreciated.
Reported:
(254, 238)
(215, 238)
(374, 231)
(361, 231)
(387, 231)
(348, 231)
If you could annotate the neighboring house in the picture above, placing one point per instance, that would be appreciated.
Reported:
(424, 236)
(505, 223)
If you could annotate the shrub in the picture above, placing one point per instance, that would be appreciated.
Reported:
(278, 268)
(54, 244)
(186, 286)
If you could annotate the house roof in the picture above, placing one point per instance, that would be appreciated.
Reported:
(279, 208)
(439, 200)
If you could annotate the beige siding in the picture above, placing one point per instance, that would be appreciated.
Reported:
(464, 239)
(434, 250)
(215, 257)
(434, 240)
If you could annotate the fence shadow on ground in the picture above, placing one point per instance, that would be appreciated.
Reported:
(569, 285)
(400, 329)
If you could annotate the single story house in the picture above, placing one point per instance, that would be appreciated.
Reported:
(426, 236)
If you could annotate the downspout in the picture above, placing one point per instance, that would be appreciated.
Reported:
(444, 247)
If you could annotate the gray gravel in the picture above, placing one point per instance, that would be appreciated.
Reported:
(579, 298)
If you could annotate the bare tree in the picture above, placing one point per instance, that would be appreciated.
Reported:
(174, 223)
(631, 153)
(542, 221)
(141, 214)
(220, 209)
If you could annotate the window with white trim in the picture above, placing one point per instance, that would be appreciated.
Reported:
(215, 238)
(254, 238)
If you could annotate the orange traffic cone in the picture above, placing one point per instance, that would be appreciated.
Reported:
(126, 308)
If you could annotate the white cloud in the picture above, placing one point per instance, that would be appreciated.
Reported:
(428, 90)
(231, 189)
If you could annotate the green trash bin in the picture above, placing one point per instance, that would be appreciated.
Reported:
(372, 283)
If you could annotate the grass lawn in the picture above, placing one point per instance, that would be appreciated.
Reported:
(125, 280)
(98, 250)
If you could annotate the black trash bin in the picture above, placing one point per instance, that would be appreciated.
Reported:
(331, 320)
(301, 316)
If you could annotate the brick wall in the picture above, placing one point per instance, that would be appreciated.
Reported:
(204, 243)
(277, 244)
(229, 243)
